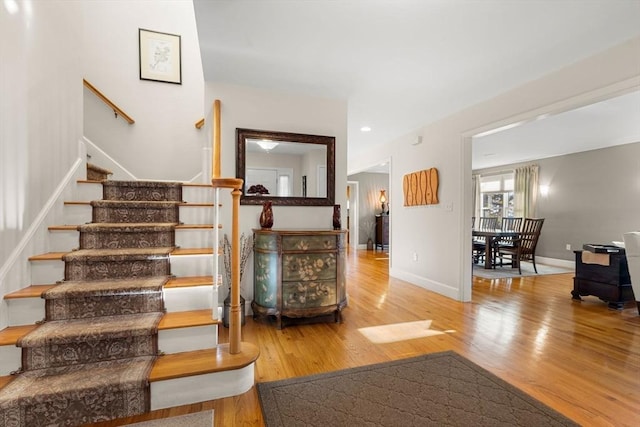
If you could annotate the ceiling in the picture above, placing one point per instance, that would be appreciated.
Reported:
(604, 124)
(405, 63)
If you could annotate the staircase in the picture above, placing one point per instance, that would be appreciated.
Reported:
(129, 319)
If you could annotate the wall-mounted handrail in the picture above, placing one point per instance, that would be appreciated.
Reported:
(200, 123)
(116, 110)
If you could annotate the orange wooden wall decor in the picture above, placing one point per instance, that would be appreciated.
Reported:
(421, 188)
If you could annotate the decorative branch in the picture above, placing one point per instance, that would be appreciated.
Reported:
(246, 248)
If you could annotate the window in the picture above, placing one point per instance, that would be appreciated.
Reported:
(496, 193)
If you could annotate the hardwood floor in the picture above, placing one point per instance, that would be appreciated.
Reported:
(580, 358)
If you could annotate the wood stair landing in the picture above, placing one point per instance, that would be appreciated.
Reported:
(179, 365)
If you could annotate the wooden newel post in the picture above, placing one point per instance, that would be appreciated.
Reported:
(235, 318)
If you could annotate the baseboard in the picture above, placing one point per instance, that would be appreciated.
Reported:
(428, 284)
(555, 262)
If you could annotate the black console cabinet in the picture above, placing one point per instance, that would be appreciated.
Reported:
(382, 231)
(611, 283)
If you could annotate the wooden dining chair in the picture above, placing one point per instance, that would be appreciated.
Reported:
(507, 224)
(524, 248)
(485, 223)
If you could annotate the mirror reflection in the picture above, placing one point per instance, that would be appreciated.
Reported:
(285, 168)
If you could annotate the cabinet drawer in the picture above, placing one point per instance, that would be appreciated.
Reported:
(307, 267)
(308, 294)
(303, 243)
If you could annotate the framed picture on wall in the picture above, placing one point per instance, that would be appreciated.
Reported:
(159, 56)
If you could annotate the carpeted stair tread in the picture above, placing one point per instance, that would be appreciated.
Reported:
(141, 190)
(135, 211)
(82, 299)
(117, 254)
(56, 396)
(68, 331)
(76, 377)
(104, 264)
(97, 173)
(129, 227)
(120, 235)
(79, 288)
(132, 204)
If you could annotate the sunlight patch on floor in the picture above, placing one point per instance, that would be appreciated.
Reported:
(400, 331)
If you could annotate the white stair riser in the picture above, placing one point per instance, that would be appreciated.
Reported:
(77, 214)
(10, 359)
(43, 272)
(186, 238)
(197, 194)
(88, 191)
(188, 339)
(196, 214)
(191, 298)
(199, 388)
(192, 265)
(63, 241)
(25, 311)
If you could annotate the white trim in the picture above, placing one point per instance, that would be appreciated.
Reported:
(117, 165)
(197, 388)
(555, 262)
(354, 220)
(195, 178)
(428, 284)
(37, 222)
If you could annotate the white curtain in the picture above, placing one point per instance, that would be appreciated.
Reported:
(526, 191)
(476, 196)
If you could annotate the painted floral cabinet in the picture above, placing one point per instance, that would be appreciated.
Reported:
(299, 273)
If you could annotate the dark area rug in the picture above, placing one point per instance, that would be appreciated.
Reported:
(441, 389)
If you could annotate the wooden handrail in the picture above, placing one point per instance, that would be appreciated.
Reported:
(116, 110)
(200, 123)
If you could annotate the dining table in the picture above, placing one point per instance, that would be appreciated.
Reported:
(490, 237)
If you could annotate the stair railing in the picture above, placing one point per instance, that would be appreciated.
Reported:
(235, 185)
(116, 110)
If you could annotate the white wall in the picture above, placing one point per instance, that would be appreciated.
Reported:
(163, 143)
(441, 234)
(244, 107)
(40, 124)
